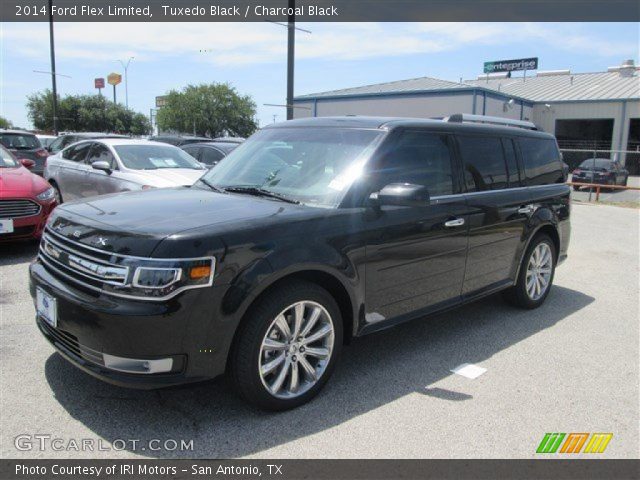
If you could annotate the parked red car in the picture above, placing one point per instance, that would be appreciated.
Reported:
(26, 200)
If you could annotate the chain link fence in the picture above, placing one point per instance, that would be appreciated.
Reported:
(629, 158)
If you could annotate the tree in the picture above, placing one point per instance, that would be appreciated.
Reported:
(4, 123)
(214, 110)
(88, 113)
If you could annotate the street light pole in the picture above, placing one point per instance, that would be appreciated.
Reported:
(126, 82)
(53, 70)
(291, 41)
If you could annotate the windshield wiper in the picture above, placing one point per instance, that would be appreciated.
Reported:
(260, 192)
(211, 186)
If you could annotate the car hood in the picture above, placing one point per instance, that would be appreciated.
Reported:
(134, 223)
(169, 177)
(20, 182)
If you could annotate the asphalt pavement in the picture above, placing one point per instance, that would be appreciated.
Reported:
(570, 366)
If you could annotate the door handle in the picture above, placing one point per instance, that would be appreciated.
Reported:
(456, 222)
(526, 209)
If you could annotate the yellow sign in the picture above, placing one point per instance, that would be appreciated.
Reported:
(114, 79)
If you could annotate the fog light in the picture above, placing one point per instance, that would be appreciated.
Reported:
(132, 365)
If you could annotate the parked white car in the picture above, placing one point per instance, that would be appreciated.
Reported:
(100, 166)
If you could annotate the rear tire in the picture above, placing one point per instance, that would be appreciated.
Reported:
(536, 274)
(271, 366)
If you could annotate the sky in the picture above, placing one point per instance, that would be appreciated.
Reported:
(252, 56)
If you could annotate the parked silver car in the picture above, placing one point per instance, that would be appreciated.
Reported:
(98, 167)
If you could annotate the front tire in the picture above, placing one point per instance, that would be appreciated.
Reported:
(287, 347)
(57, 193)
(536, 274)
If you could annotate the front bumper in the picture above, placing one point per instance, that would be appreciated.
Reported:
(93, 327)
(29, 228)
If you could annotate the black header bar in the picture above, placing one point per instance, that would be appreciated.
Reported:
(322, 10)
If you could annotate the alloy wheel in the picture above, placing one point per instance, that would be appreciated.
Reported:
(296, 349)
(539, 271)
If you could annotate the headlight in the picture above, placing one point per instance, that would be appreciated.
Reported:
(159, 278)
(48, 194)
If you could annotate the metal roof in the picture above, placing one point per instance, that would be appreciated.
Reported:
(548, 88)
(411, 85)
(566, 87)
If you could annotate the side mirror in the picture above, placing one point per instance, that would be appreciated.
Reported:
(102, 165)
(402, 195)
(27, 163)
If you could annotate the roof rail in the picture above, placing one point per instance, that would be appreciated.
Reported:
(507, 122)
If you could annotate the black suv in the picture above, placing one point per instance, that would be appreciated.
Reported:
(310, 233)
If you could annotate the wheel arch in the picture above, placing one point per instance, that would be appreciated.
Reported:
(329, 281)
(549, 229)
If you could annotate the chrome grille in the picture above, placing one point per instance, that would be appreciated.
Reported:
(18, 208)
(80, 266)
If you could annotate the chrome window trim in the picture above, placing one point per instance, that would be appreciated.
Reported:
(513, 189)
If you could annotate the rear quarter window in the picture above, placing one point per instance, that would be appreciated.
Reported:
(484, 162)
(541, 161)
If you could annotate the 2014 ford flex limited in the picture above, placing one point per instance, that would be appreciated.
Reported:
(312, 232)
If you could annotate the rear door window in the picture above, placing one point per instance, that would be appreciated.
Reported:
(101, 153)
(77, 153)
(541, 160)
(483, 162)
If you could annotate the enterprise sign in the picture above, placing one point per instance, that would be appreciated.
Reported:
(511, 65)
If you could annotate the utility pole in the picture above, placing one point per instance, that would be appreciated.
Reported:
(53, 70)
(126, 82)
(291, 41)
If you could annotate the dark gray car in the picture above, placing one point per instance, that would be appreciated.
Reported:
(209, 153)
(25, 145)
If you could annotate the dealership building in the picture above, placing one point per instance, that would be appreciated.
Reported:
(585, 111)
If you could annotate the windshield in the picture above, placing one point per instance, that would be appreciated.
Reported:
(6, 159)
(19, 141)
(314, 166)
(599, 163)
(154, 157)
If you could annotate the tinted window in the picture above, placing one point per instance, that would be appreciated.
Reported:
(100, 153)
(420, 158)
(56, 145)
(512, 162)
(211, 156)
(77, 153)
(541, 161)
(193, 151)
(484, 164)
(19, 141)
